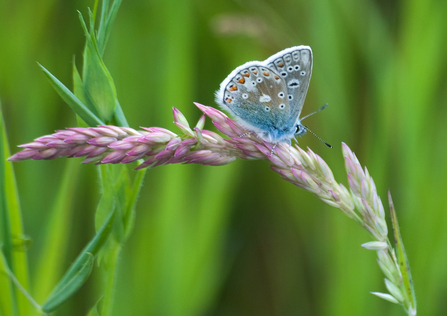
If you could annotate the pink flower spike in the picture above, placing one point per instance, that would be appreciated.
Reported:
(130, 159)
(284, 156)
(354, 184)
(23, 155)
(130, 131)
(105, 131)
(267, 152)
(197, 155)
(185, 146)
(165, 154)
(59, 144)
(223, 127)
(201, 123)
(179, 117)
(185, 129)
(114, 157)
(139, 149)
(45, 154)
(173, 144)
(47, 139)
(121, 144)
(199, 135)
(212, 113)
(78, 139)
(277, 161)
(156, 137)
(334, 196)
(118, 130)
(81, 150)
(101, 141)
(34, 145)
(221, 161)
(160, 129)
(238, 129)
(61, 134)
(85, 131)
(97, 152)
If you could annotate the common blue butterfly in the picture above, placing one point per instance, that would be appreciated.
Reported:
(267, 96)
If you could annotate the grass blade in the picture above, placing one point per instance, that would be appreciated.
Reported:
(78, 272)
(76, 105)
(404, 266)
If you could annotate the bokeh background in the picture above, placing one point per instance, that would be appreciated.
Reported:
(238, 240)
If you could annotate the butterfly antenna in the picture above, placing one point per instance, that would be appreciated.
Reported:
(322, 108)
(318, 137)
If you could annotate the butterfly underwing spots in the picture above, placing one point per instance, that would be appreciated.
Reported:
(254, 70)
(259, 80)
(297, 67)
(303, 73)
(281, 94)
(245, 96)
(228, 100)
(296, 55)
(305, 56)
(266, 73)
(279, 63)
(276, 77)
(267, 109)
(288, 59)
(282, 106)
(233, 88)
(284, 74)
(290, 97)
(245, 73)
(265, 98)
(294, 83)
(241, 80)
(290, 69)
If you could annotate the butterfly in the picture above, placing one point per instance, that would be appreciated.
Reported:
(267, 96)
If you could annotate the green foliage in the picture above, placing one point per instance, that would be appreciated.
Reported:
(236, 239)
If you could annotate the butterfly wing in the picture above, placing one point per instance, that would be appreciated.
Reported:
(257, 96)
(294, 65)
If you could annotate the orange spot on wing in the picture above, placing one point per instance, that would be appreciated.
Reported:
(242, 80)
(233, 88)
(276, 77)
(228, 100)
(266, 74)
(246, 75)
(281, 65)
(255, 72)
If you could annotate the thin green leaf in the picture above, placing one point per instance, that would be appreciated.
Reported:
(96, 78)
(120, 118)
(404, 265)
(57, 235)
(72, 284)
(76, 105)
(106, 23)
(79, 264)
(14, 243)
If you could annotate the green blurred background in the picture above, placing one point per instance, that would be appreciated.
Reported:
(238, 240)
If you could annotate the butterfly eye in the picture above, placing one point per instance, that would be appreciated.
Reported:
(282, 106)
(302, 73)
